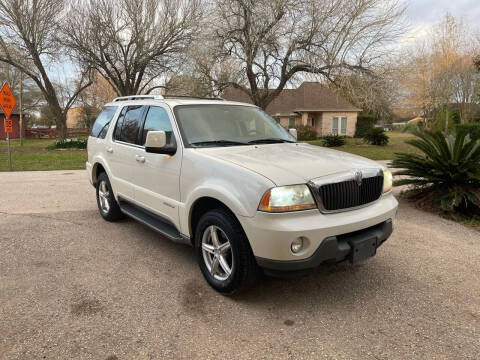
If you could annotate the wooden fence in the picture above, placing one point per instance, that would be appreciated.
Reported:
(33, 133)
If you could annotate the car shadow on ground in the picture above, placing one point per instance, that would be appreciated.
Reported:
(335, 285)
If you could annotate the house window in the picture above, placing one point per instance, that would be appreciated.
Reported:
(335, 126)
(291, 123)
(277, 119)
(344, 126)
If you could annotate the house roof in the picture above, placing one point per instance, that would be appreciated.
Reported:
(416, 120)
(308, 97)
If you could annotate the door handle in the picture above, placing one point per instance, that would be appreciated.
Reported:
(140, 159)
(110, 150)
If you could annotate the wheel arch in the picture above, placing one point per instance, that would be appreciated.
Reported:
(97, 169)
(201, 206)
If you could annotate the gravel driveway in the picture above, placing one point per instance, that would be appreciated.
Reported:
(73, 286)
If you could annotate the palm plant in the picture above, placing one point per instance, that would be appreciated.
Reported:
(446, 171)
(376, 136)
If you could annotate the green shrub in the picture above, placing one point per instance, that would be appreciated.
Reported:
(333, 140)
(473, 129)
(409, 127)
(73, 143)
(364, 125)
(446, 174)
(453, 120)
(306, 132)
(376, 136)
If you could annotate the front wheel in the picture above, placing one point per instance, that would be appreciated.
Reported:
(107, 204)
(224, 254)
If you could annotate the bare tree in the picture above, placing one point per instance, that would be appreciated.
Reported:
(375, 91)
(272, 40)
(132, 43)
(441, 71)
(415, 77)
(465, 86)
(28, 30)
(32, 96)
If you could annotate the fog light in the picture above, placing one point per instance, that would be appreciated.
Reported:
(297, 245)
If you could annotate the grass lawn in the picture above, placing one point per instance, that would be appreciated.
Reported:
(34, 156)
(358, 147)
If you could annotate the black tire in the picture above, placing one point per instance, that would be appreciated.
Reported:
(244, 270)
(113, 213)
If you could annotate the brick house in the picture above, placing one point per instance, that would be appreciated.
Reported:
(310, 104)
(75, 118)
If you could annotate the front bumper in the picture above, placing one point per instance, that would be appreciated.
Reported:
(271, 235)
(334, 249)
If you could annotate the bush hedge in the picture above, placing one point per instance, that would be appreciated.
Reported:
(306, 132)
(376, 136)
(364, 125)
(473, 129)
(73, 143)
(333, 141)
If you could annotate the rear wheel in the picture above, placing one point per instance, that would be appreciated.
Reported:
(107, 204)
(224, 254)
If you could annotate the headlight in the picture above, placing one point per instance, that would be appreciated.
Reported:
(387, 181)
(287, 198)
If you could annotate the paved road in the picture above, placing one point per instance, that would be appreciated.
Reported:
(73, 286)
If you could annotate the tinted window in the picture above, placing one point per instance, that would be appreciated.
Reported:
(157, 120)
(130, 122)
(100, 127)
(118, 127)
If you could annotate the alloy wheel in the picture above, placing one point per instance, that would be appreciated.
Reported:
(103, 197)
(217, 253)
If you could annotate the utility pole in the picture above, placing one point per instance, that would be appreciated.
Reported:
(21, 108)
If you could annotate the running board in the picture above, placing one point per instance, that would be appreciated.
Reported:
(153, 221)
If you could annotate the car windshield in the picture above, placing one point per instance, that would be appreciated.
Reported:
(228, 125)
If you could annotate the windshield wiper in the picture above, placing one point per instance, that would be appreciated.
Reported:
(218, 142)
(270, 141)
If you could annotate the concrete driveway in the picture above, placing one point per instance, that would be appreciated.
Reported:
(73, 286)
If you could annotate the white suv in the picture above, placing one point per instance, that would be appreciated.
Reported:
(228, 179)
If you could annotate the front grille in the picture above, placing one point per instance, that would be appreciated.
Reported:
(349, 194)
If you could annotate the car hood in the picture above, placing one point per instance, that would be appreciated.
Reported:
(287, 164)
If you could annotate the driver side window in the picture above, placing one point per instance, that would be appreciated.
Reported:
(157, 119)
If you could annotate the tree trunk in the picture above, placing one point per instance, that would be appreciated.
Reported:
(60, 123)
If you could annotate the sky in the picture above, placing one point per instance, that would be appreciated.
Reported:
(422, 14)
(427, 12)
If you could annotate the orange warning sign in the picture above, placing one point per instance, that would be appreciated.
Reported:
(8, 126)
(7, 100)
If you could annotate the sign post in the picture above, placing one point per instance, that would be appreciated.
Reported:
(7, 102)
(21, 108)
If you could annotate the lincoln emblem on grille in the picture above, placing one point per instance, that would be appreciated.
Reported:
(358, 177)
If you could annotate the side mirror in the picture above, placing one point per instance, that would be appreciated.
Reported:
(156, 142)
(293, 132)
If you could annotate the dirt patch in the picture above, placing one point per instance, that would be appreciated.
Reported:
(194, 297)
(86, 307)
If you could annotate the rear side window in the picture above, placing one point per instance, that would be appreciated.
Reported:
(100, 127)
(128, 124)
(157, 120)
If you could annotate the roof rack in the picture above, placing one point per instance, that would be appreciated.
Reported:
(191, 97)
(138, 97)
